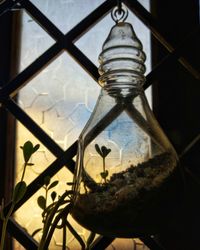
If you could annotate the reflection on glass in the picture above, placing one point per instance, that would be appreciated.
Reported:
(61, 98)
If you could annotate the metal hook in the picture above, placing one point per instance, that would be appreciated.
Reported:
(119, 6)
(119, 15)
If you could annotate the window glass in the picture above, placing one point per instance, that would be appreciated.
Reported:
(61, 97)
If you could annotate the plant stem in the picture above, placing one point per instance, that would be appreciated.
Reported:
(5, 221)
(104, 164)
(49, 219)
(90, 240)
(76, 235)
(4, 227)
(64, 236)
(45, 216)
(46, 193)
(104, 168)
(64, 212)
(24, 170)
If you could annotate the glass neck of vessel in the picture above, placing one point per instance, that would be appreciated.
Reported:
(122, 62)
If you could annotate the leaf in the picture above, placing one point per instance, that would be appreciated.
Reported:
(27, 150)
(105, 151)
(53, 195)
(41, 202)
(19, 191)
(47, 180)
(36, 147)
(30, 164)
(36, 231)
(104, 174)
(53, 184)
(70, 183)
(98, 149)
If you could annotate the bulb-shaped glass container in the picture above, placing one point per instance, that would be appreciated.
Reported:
(124, 158)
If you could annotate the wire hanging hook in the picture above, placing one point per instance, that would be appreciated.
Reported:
(119, 13)
(119, 6)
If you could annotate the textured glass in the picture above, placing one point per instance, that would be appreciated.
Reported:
(52, 99)
(17, 245)
(65, 14)
(42, 158)
(35, 41)
(61, 98)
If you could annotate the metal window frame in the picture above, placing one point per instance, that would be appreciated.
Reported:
(66, 42)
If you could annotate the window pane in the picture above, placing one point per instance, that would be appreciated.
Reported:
(61, 97)
(65, 14)
(35, 41)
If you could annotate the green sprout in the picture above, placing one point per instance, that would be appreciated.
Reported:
(103, 152)
(55, 208)
(19, 190)
(42, 201)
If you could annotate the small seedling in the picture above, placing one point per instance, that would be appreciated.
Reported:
(103, 152)
(54, 212)
(43, 200)
(19, 190)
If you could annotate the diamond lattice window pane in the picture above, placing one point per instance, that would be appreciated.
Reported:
(41, 159)
(60, 100)
(65, 14)
(34, 41)
(62, 96)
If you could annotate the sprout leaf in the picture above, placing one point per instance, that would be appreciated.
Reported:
(19, 191)
(41, 202)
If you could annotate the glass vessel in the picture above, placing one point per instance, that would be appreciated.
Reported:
(125, 162)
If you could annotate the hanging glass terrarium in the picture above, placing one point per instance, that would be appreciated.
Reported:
(124, 159)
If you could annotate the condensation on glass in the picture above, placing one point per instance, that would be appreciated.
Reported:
(61, 97)
(124, 158)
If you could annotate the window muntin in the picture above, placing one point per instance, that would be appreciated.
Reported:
(59, 99)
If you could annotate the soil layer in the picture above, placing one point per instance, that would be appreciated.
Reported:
(133, 202)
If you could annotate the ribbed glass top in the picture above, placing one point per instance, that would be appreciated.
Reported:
(122, 59)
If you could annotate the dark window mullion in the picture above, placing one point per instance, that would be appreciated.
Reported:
(7, 5)
(9, 44)
(176, 105)
(170, 58)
